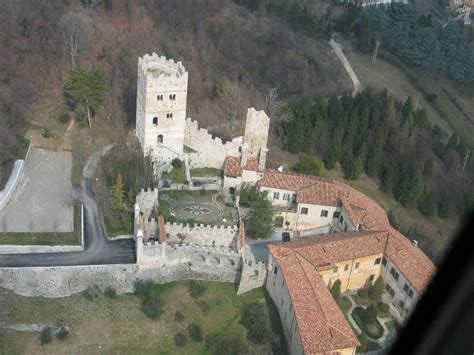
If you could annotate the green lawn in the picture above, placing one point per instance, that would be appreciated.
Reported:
(177, 175)
(117, 223)
(119, 327)
(206, 172)
(48, 238)
(24, 145)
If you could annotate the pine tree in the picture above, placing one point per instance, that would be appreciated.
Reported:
(376, 291)
(85, 91)
(118, 194)
(336, 290)
(427, 204)
(259, 221)
(410, 184)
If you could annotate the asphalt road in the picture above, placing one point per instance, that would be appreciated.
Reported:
(97, 249)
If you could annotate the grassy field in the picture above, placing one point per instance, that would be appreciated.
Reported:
(177, 175)
(206, 172)
(117, 223)
(71, 238)
(453, 108)
(117, 326)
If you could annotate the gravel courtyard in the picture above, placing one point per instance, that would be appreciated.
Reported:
(42, 201)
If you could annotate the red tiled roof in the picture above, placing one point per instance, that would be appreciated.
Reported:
(232, 167)
(365, 212)
(252, 164)
(161, 229)
(321, 324)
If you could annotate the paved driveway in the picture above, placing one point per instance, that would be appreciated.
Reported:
(42, 201)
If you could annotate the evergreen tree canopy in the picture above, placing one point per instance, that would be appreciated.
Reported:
(259, 222)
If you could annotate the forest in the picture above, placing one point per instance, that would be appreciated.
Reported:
(417, 39)
(389, 140)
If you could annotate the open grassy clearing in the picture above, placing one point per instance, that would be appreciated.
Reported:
(177, 175)
(46, 238)
(206, 172)
(119, 327)
(453, 108)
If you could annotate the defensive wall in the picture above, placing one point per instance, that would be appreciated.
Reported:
(209, 151)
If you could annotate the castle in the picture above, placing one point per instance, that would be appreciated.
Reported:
(338, 232)
(165, 133)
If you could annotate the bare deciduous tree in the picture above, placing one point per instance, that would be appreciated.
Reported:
(77, 31)
(231, 101)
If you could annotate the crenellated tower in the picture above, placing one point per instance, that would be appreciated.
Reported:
(162, 87)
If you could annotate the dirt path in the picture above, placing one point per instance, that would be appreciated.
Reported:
(337, 48)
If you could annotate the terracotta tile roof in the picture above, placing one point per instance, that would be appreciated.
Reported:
(232, 167)
(365, 212)
(321, 324)
(410, 260)
(283, 181)
(252, 164)
(161, 229)
(323, 251)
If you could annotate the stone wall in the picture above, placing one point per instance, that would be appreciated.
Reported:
(205, 258)
(252, 276)
(210, 152)
(63, 281)
(12, 182)
(206, 235)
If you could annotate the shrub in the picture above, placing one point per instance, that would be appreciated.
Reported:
(92, 292)
(176, 163)
(195, 332)
(255, 319)
(383, 308)
(62, 333)
(203, 306)
(307, 164)
(363, 343)
(371, 314)
(142, 288)
(152, 307)
(376, 290)
(336, 290)
(178, 316)
(46, 336)
(47, 133)
(110, 292)
(230, 344)
(363, 293)
(196, 288)
(180, 339)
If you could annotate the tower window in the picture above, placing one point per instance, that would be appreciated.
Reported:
(155, 121)
(169, 115)
(172, 96)
(159, 139)
(159, 97)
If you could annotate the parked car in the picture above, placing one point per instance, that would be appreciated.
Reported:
(285, 237)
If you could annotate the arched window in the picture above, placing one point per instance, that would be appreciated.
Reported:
(159, 139)
(174, 96)
(155, 121)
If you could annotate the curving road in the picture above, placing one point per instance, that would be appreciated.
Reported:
(97, 249)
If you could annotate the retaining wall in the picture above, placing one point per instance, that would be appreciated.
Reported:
(13, 180)
(39, 249)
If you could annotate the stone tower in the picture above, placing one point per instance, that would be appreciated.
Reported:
(256, 137)
(162, 87)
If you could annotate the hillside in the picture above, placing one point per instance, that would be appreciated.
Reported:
(213, 39)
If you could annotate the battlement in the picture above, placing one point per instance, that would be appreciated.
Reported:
(203, 134)
(203, 227)
(161, 66)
